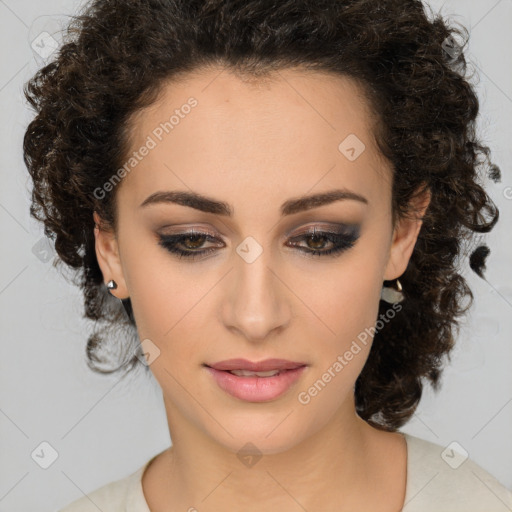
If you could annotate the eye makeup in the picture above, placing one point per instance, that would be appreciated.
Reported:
(312, 242)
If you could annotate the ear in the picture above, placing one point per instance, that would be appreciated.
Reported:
(107, 254)
(405, 235)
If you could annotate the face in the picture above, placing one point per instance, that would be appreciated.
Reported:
(238, 272)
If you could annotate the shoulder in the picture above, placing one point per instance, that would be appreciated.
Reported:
(445, 479)
(123, 495)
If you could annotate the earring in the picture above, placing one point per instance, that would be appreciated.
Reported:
(111, 285)
(127, 303)
(392, 295)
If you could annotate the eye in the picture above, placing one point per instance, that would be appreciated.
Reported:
(186, 245)
(318, 243)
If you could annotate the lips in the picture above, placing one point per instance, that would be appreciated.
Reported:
(261, 366)
(256, 387)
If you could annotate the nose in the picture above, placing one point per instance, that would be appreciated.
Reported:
(257, 302)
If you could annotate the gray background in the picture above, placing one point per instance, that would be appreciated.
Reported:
(103, 429)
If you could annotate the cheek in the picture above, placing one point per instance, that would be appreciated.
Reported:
(344, 305)
(162, 291)
(170, 313)
(342, 299)
(350, 310)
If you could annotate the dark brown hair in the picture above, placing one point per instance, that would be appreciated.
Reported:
(118, 54)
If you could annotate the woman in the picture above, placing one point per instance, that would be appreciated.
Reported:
(274, 195)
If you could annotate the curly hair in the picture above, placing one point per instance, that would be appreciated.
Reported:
(118, 54)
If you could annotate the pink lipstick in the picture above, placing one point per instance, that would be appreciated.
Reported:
(256, 381)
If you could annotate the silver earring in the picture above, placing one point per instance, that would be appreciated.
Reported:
(392, 295)
(111, 285)
(127, 303)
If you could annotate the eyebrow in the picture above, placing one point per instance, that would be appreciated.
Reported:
(289, 207)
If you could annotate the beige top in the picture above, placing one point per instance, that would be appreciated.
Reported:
(438, 479)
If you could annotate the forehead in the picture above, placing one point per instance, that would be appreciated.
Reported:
(284, 134)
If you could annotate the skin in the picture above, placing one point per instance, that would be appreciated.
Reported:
(254, 145)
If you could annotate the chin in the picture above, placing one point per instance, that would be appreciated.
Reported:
(263, 437)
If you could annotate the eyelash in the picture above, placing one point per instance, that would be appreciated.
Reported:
(341, 243)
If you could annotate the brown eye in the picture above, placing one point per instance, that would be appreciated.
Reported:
(194, 241)
(186, 245)
(316, 241)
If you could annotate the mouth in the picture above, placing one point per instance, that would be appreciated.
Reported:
(246, 373)
(244, 367)
(256, 385)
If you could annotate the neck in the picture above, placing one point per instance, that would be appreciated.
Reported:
(338, 464)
